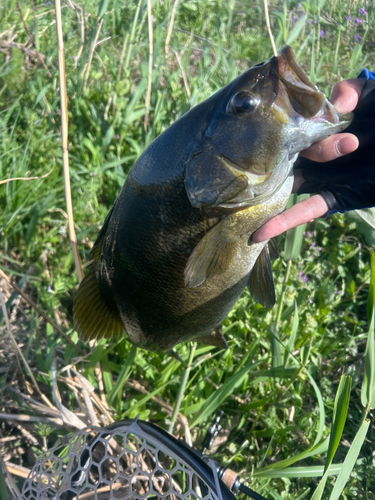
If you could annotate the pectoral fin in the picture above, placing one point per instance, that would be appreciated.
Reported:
(260, 283)
(216, 338)
(212, 256)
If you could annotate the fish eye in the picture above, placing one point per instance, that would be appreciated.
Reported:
(243, 102)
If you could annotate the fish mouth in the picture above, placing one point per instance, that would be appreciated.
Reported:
(303, 96)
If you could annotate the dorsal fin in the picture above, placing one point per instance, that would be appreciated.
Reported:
(260, 281)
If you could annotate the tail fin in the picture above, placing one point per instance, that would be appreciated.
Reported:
(92, 317)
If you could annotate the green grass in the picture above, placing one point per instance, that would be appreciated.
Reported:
(279, 381)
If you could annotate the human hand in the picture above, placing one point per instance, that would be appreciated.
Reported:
(345, 97)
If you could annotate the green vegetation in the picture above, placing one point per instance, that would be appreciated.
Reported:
(284, 383)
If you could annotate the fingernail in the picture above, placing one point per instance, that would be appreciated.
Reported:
(346, 145)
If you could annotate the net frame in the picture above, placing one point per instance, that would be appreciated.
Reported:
(73, 471)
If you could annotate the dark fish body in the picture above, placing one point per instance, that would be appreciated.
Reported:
(174, 253)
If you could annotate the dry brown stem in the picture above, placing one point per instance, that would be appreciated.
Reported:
(170, 28)
(150, 60)
(25, 178)
(64, 142)
(19, 352)
(39, 311)
(92, 50)
(269, 27)
(187, 88)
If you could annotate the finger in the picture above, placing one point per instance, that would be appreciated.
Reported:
(302, 212)
(345, 94)
(331, 148)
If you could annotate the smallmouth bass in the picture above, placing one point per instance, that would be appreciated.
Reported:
(175, 251)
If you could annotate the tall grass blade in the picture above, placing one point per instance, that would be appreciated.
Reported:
(214, 401)
(277, 355)
(371, 292)
(307, 471)
(294, 34)
(339, 417)
(294, 237)
(123, 376)
(283, 464)
(368, 383)
(322, 414)
(350, 460)
(293, 335)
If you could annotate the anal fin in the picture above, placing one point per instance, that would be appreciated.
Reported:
(216, 338)
(274, 251)
(260, 282)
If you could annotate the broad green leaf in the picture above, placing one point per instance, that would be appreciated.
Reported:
(368, 385)
(368, 215)
(339, 417)
(350, 460)
(123, 376)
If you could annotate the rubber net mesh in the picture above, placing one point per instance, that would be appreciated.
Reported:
(120, 464)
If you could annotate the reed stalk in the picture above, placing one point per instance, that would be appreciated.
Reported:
(64, 142)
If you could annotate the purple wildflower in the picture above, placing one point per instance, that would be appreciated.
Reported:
(339, 292)
(300, 275)
(313, 244)
(299, 5)
(307, 22)
(95, 174)
(315, 22)
(294, 19)
(117, 137)
(49, 289)
(321, 33)
(357, 21)
(357, 38)
(348, 18)
(319, 249)
(304, 279)
(362, 11)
